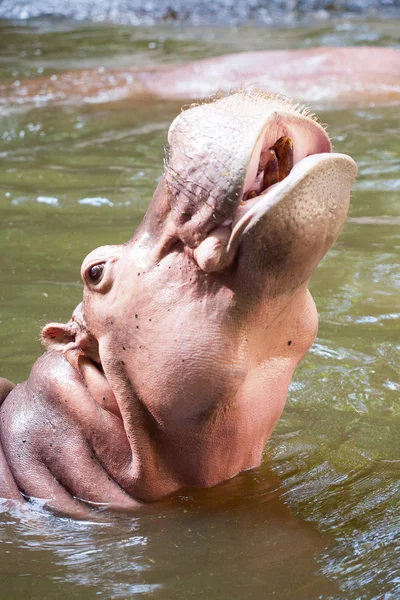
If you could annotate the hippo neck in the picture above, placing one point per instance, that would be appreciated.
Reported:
(229, 430)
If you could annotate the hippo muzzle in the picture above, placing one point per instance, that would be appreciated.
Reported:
(189, 334)
(249, 158)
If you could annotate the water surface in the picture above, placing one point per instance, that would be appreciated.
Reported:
(320, 518)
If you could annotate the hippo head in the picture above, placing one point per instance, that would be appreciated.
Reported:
(191, 331)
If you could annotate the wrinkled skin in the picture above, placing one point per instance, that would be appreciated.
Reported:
(350, 76)
(174, 369)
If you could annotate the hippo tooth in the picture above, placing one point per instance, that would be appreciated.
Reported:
(271, 170)
(278, 164)
(284, 151)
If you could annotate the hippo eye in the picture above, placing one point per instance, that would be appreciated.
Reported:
(95, 273)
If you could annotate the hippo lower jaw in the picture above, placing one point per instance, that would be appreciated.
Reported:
(304, 184)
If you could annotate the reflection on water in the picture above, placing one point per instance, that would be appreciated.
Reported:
(320, 518)
(235, 540)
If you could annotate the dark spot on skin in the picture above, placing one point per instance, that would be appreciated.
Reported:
(289, 343)
(122, 363)
(183, 360)
(137, 326)
(51, 445)
(149, 319)
(136, 316)
(23, 441)
(104, 397)
(138, 274)
(123, 348)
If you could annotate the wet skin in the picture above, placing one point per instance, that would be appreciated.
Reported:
(174, 369)
(334, 76)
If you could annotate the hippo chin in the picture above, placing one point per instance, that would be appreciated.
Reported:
(174, 369)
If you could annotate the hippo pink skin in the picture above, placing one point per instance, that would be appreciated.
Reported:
(8, 487)
(5, 388)
(175, 368)
(331, 76)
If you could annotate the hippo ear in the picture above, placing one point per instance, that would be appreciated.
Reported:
(55, 336)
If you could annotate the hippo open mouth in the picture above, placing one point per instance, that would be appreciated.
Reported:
(233, 161)
(274, 165)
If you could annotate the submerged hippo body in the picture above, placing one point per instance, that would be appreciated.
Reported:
(175, 368)
(352, 76)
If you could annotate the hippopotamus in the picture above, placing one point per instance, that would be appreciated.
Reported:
(351, 76)
(174, 369)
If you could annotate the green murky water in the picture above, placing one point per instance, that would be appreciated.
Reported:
(321, 517)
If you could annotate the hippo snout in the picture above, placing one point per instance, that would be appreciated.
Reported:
(225, 152)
